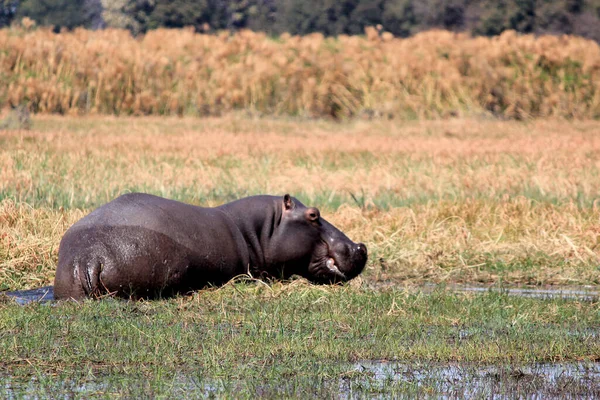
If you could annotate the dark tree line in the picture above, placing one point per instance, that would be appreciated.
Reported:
(331, 17)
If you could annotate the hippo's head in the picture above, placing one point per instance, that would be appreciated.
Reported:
(307, 245)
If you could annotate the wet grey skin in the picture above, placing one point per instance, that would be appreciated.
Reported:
(144, 246)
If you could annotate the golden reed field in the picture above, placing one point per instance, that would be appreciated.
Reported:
(179, 72)
(447, 201)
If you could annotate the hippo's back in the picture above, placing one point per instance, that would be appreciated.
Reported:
(144, 241)
(140, 210)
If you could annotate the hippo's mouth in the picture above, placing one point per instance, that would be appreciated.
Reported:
(324, 267)
(325, 270)
(333, 268)
(331, 264)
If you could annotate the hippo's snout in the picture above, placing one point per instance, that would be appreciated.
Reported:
(348, 259)
(359, 259)
(361, 250)
(356, 252)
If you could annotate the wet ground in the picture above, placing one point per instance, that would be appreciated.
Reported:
(585, 293)
(366, 379)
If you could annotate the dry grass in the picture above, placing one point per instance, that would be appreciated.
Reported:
(455, 201)
(29, 242)
(171, 72)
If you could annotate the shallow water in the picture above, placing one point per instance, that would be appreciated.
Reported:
(46, 293)
(366, 379)
(563, 380)
(41, 295)
(579, 293)
(585, 293)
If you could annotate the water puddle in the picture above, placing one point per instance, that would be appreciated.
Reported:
(563, 380)
(366, 379)
(46, 293)
(102, 386)
(583, 293)
(578, 293)
(41, 295)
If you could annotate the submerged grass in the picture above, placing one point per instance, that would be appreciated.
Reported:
(284, 339)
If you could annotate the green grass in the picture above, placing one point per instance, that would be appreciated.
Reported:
(283, 340)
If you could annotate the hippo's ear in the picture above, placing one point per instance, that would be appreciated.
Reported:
(288, 203)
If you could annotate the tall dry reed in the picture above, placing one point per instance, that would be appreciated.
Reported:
(168, 72)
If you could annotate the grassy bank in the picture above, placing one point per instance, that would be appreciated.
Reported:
(283, 340)
(459, 201)
(178, 72)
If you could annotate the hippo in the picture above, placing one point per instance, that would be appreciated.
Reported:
(144, 246)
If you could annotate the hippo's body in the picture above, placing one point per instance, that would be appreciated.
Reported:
(144, 246)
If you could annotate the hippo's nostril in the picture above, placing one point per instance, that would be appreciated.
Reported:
(362, 249)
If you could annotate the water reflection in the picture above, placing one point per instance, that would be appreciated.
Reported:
(563, 380)
(41, 295)
(365, 379)
(46, 293)
(579, 293)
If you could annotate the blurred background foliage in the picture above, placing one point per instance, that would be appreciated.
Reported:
(330, 17)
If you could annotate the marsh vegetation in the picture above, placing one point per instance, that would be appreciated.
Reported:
(297, 340)
(458, 201)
